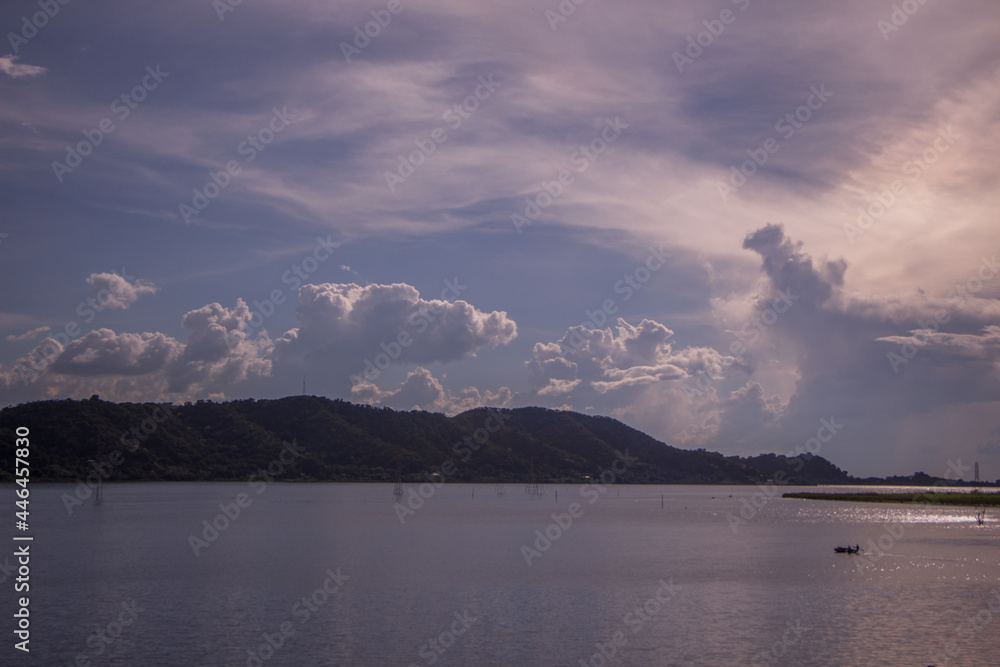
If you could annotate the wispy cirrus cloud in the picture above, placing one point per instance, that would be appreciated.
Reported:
(15, 70)
(27, 335)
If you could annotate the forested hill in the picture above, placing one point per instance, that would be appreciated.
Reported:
(333, 440)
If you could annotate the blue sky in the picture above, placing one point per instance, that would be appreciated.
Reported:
(720, 223)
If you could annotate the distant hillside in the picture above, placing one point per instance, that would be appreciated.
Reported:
(806, 470)
(339, 441)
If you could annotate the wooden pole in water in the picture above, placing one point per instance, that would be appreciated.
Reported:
(397, 489)
(97, 490)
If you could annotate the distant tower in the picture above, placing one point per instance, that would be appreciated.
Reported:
(977, 472)
(303, 385)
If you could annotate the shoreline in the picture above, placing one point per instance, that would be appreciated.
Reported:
(975, 499)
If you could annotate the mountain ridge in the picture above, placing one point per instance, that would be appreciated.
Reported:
(310, 438)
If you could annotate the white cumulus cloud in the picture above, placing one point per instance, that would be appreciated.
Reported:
(113, 291)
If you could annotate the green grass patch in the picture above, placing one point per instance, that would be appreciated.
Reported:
(977, 499)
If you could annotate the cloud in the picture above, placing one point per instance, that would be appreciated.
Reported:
(113, 291)
(224, 347)
(556, 386)
(27, 368)
(608, 360)
(217, 358)
(422, 391)
(805, 347)
(10, 321)
(104, 352)
(991, 446)
(983, 346)
(27, 335)
(787, 266)
(635, 373)
(354, 328)
(219, 352)
(15, 70)
(937, 134)
(838, 346)
(117, 366)
(747, 418)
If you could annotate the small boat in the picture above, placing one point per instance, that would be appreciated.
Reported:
(847, 550)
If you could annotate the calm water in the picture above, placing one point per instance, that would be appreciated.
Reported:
(455, 573)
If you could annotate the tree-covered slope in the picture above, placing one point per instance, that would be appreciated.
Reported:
(318, 439)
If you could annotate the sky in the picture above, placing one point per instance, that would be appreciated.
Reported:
(738, 225)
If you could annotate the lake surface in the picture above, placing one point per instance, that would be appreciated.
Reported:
(646, 575)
